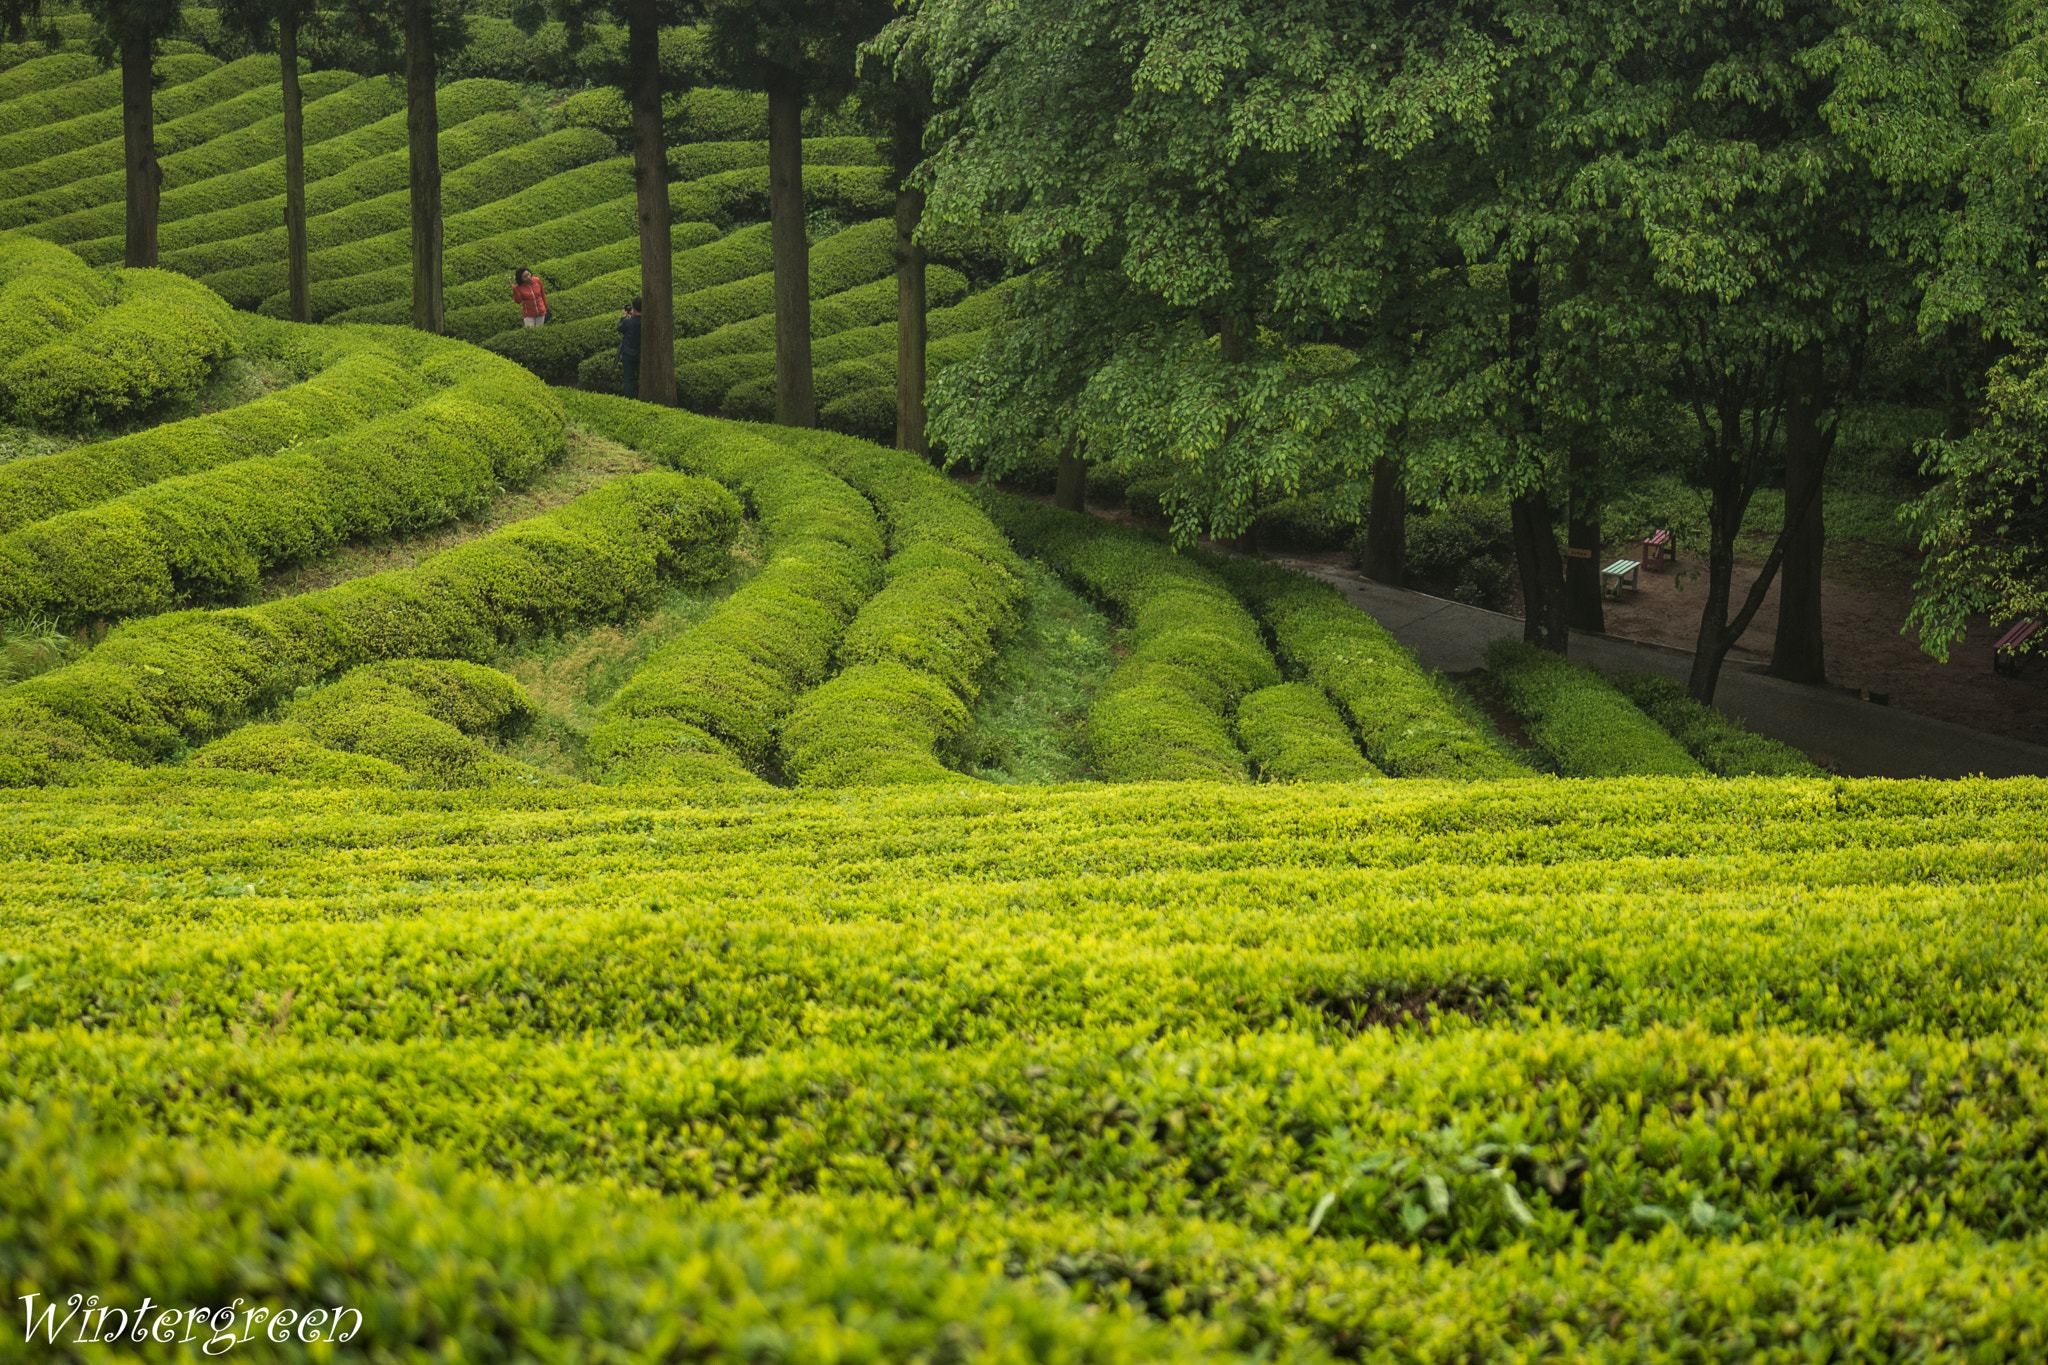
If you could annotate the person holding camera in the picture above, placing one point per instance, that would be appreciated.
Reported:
(532, 297)
(629, 349)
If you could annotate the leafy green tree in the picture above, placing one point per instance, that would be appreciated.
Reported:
(264, 23)
(128, 32)
(795, 50)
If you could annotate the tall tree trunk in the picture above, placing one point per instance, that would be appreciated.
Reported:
(1071, 489)
(296, 266)
(910, 299)
(1724, 521)
(650, 181)
(423, 168)
(1386, 525)
(795, 400)
(1583, 607)
(1797, 654)
(144, 177)
(1537, 561)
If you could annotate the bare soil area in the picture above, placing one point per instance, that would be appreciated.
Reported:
(1865, 649)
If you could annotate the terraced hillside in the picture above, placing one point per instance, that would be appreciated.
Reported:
(526, 182)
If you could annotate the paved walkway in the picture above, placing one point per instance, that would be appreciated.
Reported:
(1830, 724)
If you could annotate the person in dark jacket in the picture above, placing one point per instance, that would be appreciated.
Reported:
(629, 348)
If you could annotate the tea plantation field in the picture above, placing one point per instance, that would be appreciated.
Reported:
(507, 873)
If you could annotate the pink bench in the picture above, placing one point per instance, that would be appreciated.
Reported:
(2005, 654)
(1659, 547)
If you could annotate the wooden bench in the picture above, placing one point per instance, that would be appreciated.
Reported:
(2005, 655)
(1618, 575)
(1660, 547)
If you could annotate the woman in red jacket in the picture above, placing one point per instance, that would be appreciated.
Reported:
(532, 295)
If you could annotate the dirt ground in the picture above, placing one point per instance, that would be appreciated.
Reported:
(1865, 650)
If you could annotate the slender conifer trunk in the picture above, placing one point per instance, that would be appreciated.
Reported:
(910, 297)
(144, 177)
(299, 273)
(423, 172)
(795, 401)
(650, 179)
(1070, 490)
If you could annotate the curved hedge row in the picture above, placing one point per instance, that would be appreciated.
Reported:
(913, 655)
(91, 176)
(159, 683)
(1193, 651)
(46, 293)
(1723, 747)
(418, 722)
(1576, 717)
(211, 534)
(74, 106)
(703, 383)
(186, 100)
(596, 301)
(588, 1273)
(859, 307)
(159, 342)
(35, 69)
(213, 196)
(519, 176)
(1406, 723)
(1294, 734)
(706, 709)
(354, 380)
(242, 224)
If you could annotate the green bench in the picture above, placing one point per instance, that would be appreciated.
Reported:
(1618, 575)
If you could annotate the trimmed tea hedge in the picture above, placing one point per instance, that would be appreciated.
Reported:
(1577, 717)
(913, 655)
(207, 203)
(1406, 721)
(45, 293)
(211, 534)
(1192, 651)
(706, 708)
(703, 383)
(840, 262)
(357, 379)
(157, 684)
(1294, 734)
(159, 342)
(91, 176)
(423, 720)
(74, 108)
(581, 1270)
(523, 177)
(1723, 747)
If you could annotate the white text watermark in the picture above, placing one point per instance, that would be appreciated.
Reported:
(82, 1319)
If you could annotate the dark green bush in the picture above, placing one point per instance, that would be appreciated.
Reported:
(1721, 745)
(1294, 734)
(1456, 547)
(1578, 718)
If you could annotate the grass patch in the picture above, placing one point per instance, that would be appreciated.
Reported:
(590, 462)
(1027, 724)
(569, 678)
(37, 645)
